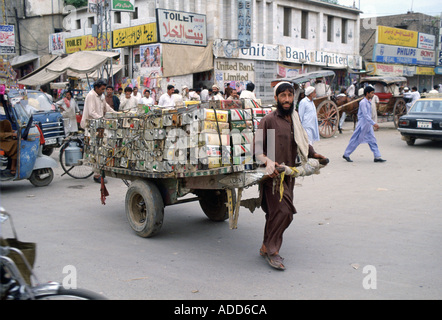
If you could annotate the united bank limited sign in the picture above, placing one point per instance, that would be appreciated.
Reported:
(321, 58)
(268, 52)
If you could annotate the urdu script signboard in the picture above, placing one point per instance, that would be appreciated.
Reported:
(397, 37)
(177, 27)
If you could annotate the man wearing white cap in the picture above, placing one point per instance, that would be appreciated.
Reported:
(185, 93)
(216, 94)
(307, 114)
(280, 139)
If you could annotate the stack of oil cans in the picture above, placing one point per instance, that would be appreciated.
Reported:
(163, 140)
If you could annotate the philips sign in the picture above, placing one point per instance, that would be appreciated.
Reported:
(426, 41)
(403, 55)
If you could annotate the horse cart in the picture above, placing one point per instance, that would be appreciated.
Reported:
(391, 104)
(326, 107)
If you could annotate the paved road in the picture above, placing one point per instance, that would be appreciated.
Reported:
(379, 218)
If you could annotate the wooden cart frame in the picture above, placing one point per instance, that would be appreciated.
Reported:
(218, 190)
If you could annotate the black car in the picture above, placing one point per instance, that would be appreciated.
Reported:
(423, 121)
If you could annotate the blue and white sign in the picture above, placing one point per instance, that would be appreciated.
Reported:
(438, 70)
(403, 55)
(439, 59)
(426, 41)
(245, 14)
(7, 39)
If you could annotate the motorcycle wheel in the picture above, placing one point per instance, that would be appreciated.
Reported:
(41, 177)
(70, 294)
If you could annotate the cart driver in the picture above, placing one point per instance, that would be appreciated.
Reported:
(321, 88)
(8, 143)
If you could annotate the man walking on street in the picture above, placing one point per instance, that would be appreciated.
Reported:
(308, 116)
(291, 142)
(364, 132)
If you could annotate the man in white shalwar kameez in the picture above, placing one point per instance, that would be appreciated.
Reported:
(308, 116)
(364, 132)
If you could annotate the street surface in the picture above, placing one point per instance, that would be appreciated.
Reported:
(363, 230)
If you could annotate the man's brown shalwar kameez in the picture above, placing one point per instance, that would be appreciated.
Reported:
(279, 214)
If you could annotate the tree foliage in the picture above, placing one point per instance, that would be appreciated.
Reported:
(76, 3)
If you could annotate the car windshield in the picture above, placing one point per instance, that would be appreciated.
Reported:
(432, 106)
(39, 101)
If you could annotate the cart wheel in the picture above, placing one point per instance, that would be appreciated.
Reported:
(213, 203)
(328, 118)
(144, 208)
(399, 109)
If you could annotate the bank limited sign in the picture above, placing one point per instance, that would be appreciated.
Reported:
(270, 52)
(321, 58)
(403, 55)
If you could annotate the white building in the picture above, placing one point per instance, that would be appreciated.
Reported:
(282, 38)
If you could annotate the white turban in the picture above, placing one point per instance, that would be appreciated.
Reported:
(215, 86)
(282, 82)
(309, 90)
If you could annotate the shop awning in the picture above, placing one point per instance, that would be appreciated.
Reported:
(39, 76)
(82, 62)
(180, 59)
(96, 74)
(24, 59)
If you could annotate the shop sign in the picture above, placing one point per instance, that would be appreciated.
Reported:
(289, 71)
(403, 55)
(380, 69)
(245, 23)
(123, 5)
(56, 43)
(409, 71)
(256, 51)
(315, 57)
(397, 37)
(238, 71)
(82, 43)
(440, 38)
(426, 41)
(438, 70)
(425, 71)
(179, 27)
(439, 58)
(7, 39)
(133, 36)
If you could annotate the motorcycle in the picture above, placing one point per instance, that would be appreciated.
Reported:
(31, 163)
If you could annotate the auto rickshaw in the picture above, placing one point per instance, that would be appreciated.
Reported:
(31, 164)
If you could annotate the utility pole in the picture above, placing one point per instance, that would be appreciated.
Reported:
(17, 21)
(103, 25)
(103, 36)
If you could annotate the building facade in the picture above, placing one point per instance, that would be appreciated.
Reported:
(32, 22)
(249, 40)
(402, 45)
